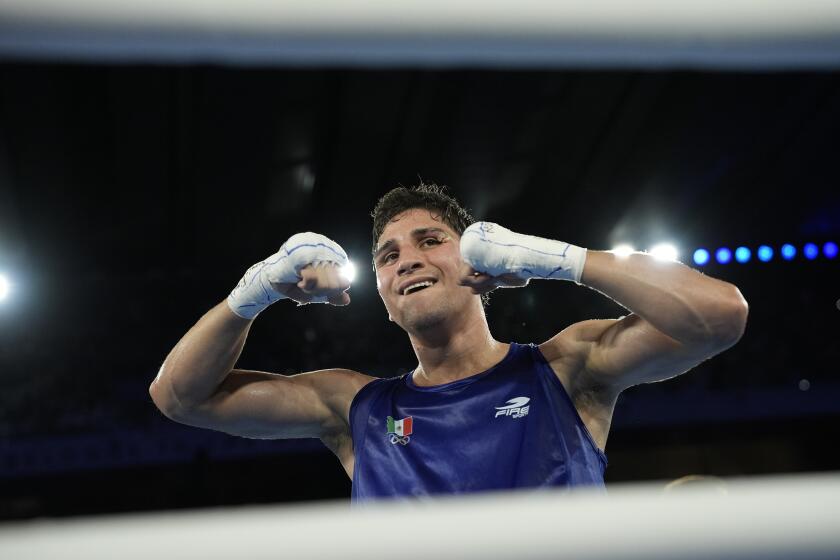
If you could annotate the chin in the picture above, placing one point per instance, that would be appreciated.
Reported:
(421, 319)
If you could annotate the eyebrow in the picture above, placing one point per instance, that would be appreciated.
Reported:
(419, 232)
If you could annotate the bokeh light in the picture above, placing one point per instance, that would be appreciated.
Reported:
(810, 251)
(788, 251)
(723, 255)
(623, 250)
(664, 252)
(830, 249)
(701, 257)
(765, 253)
(349, 271)
(742, 254)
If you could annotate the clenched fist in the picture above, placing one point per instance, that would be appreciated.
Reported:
(318, 282)
(305, 269)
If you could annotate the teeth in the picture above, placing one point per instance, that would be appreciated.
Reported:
(417, 285)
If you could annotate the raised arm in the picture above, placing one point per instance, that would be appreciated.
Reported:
(197, 384)
(679, 317)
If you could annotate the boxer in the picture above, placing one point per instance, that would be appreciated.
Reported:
(476, 413)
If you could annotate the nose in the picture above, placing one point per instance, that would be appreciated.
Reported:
(408, 265)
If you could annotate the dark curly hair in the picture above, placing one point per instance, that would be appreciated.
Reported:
(430, 196)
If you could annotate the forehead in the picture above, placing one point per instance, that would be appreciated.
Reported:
(403, 224)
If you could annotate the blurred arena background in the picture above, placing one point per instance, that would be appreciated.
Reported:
(134, 193)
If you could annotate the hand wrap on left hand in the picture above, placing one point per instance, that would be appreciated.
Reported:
(254, 292)
(494, 250)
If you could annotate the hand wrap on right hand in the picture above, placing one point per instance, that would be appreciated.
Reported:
(495, 250)
(254, 292)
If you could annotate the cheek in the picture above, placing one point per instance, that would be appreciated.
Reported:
(382, 284)
(452, 262)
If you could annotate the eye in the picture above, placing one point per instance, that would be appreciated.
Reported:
(430, 241)
(389, 257)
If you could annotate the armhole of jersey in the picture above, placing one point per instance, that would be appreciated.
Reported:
(554, 379)
(354, 411)
(355, 403)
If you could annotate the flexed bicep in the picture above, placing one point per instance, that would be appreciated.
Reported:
(620, 353)
(265, 405)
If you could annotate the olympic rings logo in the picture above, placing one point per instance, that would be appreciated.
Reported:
(402, 440)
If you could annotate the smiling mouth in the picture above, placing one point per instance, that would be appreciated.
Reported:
(419, 286)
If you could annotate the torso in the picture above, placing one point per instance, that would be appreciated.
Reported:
(455, 433)
(595, 409)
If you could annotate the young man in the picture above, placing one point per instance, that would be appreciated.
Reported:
(476, 414)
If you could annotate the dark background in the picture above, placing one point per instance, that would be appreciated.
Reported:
(132, 199)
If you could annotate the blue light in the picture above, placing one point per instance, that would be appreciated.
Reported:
(723, 255)
(742, 254)
(830, 249)
(788, 251)
(811, 251)
(765, 253)
(701, 257)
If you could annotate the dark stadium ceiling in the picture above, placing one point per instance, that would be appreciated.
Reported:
(101, 165)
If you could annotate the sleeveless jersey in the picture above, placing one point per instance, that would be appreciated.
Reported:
(512, 426)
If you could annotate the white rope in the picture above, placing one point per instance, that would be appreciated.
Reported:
(781, 518)
(641, 33)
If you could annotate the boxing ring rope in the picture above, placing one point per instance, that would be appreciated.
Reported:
(722, 34)
(774, 518)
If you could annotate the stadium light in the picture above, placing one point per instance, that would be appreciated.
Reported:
(701, 257)
(765, 253)
(788, 251)
(664, 252)
(742, 254)
(623, 250)
(5, 287)
(349, 271)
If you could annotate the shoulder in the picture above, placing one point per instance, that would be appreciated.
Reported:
(337, 386)
(572, 346)
(568, 353)
(373, 388)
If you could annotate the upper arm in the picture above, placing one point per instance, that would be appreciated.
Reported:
(266, 405)
(620, 353)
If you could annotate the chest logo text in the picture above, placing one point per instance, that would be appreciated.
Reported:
(516, 407)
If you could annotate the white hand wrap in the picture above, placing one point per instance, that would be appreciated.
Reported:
(495, 250)
(254, 292)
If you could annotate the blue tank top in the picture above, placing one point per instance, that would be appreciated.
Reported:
(512, 426)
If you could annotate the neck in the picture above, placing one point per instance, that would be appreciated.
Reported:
(455, 351)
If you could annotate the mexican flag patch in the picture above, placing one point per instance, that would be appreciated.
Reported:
(399, 430)
(399, 427)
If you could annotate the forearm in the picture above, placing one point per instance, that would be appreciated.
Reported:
(305, 269)
(677, 300)
(201, 360)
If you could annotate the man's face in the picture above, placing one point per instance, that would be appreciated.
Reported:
(418, 261)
